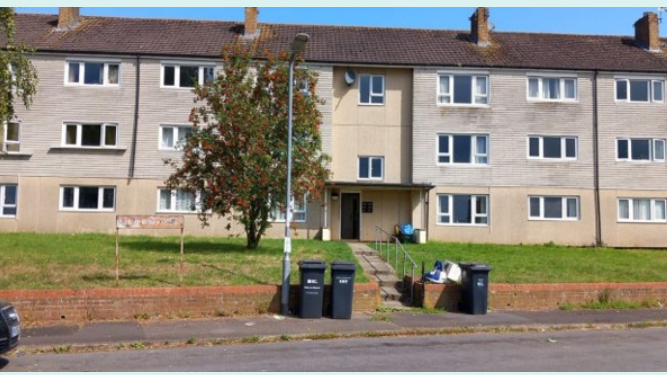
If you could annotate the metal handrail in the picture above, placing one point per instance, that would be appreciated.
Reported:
(382, 238)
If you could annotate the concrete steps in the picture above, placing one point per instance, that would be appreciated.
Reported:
(390, 285)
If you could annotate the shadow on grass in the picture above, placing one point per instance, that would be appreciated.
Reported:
(195, 247)
(254, 281)
(106, 280)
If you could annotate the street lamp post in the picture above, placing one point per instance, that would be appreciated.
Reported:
(298, 46)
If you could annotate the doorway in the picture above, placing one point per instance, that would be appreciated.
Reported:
(349, 216)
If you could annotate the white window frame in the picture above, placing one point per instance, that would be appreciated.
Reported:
(631, 210)
(177, 128)
(79, 133)
(473, 90)
(563, 148)
(372, 94)
(652, 146)
(651, 89)
(564, 201)
(278, 216)
(82, 67)
(100, 199)
(173, 193)
(474, 154)
(474, 215)
(562, 78)
(6, 142)
(370, 168)
(177, 72)
(3, 191)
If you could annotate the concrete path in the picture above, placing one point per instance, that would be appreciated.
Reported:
(175, 331)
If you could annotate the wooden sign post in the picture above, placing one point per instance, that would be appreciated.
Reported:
(151, 222)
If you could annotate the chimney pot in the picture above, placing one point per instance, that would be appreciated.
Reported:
(250, 27)
(647, 32)
(68, 18)
(479, 27)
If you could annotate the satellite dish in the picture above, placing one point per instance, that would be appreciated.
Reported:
(350, 77)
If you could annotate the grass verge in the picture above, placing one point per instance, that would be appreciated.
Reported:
(81, 261)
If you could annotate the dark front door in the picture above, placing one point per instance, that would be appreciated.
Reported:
(349, 215)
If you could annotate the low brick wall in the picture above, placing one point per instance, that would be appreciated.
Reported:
(40, 307)
(540, 296)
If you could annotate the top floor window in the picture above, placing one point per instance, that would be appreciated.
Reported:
(552, 89)
(638, 149)
(371, 167)
(92, 73)
(463, 89)
(11, 142)
(187, 75)
(640, 90)
(371, 89)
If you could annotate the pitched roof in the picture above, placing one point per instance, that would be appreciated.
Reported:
(343, 44)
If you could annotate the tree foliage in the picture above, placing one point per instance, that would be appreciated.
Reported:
(236, 157)
(18, 77)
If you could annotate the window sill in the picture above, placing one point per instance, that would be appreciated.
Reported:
(87, 149)
(16, 155)
(463, 225)
(7, 217)
(371, 104)
(87, 211)
(542, 101)
(621, 102)
(640, 222)
(462, 165)
(624, 161)
(553, 160)
(464, 105)
(283, 221)
(93, 86)
(552, 220)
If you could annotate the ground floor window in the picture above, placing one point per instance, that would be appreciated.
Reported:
(87, 198)
(8, 200)
(298, 214)
(643, 210)
(463, 209)
(554, 208)
(177, 200)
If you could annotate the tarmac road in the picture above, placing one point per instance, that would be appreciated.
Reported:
(607, 350)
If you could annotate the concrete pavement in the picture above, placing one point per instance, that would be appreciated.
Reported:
(174, 331)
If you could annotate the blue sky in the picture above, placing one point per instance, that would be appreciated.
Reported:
(607, 21)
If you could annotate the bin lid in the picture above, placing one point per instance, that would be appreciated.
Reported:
(480, 267)
(312, 264)
(343, 265)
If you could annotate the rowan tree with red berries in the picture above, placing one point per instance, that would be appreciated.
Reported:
(236, 156)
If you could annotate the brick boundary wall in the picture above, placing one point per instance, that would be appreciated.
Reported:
(48, 307)
(543, 297)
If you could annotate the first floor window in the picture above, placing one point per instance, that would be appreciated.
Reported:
(552, 147)
(298, 213)
(552, 89)
(87, 198)
(8, 200)
(186, 75)
(554, 208)
(636, 149)
(642, 210)
(172, 137)
(92, 73)
(90, 135)
(371, 167)
(371, 89)
(463, 89)
(463, 209)
(640, 90)
(177, 200)
(11, 141)
(463, 149)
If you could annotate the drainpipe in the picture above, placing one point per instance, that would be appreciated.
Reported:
(596, 163)
(133, 151)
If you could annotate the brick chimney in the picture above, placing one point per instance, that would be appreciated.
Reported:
(479, 27)
(647, 32)
(251, 29)
(68, 18)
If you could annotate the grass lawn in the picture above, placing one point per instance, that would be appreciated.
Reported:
(57, 261)
(549, 264)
